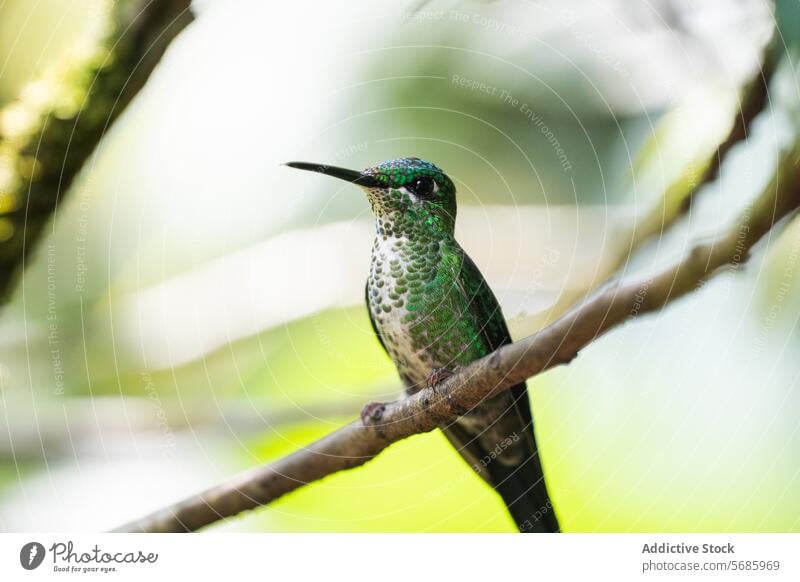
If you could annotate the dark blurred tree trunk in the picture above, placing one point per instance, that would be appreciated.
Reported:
(45, 160)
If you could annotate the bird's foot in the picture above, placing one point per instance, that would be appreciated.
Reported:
(437, 376)
(372, 413)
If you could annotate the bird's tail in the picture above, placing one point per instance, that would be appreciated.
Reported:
(520, 483)
(505, 455)
(523, 489)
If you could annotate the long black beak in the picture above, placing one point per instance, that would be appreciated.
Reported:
(341, 173)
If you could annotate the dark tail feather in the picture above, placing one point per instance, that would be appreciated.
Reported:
(523, 489)
(520, 484)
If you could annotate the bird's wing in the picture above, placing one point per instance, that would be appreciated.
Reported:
(486, 312)
(516, 472)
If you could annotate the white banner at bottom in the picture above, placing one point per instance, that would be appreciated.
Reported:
(389, 557)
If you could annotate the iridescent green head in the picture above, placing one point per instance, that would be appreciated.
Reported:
(406, 194)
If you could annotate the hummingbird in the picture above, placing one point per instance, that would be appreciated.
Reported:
(433, 312)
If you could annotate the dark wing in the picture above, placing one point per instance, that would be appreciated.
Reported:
(516, 473)
(485, 309)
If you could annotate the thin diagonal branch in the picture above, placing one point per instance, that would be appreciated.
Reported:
(677, 198)
(357, 442)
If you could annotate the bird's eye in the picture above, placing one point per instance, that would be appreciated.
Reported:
(423, 187)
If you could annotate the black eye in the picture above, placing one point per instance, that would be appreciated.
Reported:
(423, 187)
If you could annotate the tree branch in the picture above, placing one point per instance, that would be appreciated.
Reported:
(754, 99)
(676, 200)
(44, 150)
(358, 442)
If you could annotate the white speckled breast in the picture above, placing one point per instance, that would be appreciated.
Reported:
(387, 306)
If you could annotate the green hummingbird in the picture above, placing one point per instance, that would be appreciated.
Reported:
(433, 311)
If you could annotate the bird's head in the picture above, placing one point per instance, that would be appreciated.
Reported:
(407, 194)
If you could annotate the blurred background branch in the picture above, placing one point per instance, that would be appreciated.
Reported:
(677, 197)
(49, 132)
(358, 442)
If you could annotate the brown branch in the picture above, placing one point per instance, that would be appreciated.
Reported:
(358, 442)
(753, 100)
(42, 161)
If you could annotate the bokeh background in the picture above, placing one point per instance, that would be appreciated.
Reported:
(195, 308)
